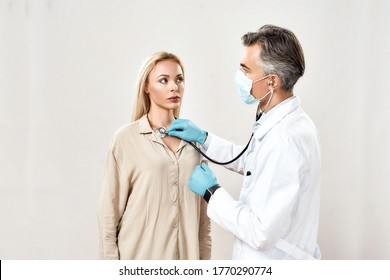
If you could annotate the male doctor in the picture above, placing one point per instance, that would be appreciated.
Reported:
(276, 216)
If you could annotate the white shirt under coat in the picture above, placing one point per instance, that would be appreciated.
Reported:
(277, 214)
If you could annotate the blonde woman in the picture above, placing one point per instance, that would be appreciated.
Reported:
(146, 210)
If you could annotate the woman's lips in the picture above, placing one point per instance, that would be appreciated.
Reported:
(174, 99)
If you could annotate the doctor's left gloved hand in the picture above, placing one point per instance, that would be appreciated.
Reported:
(202, 178)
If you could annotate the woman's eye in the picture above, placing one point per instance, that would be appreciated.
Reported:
(179, 80)
(163, 81)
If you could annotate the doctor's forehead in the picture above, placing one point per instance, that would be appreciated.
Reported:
(250, 57)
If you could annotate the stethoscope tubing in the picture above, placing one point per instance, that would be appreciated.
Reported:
(218, 162)
(161, 132)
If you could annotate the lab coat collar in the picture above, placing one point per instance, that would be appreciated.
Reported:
(274, 116)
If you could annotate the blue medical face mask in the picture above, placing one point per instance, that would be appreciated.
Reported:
(244, 87)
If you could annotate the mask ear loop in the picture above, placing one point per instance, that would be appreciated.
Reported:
(271, 92)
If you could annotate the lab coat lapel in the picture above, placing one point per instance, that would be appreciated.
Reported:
(280, 112)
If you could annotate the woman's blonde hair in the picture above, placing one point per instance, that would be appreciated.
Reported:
(142, 102)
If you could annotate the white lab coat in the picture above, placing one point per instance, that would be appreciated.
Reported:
(276, 216)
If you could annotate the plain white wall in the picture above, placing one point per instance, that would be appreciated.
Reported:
(67, 75)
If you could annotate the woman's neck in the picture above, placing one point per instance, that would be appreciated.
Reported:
(160, 118)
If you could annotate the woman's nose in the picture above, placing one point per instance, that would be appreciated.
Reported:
(173, 86)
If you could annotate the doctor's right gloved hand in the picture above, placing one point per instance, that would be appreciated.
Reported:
(187, 130)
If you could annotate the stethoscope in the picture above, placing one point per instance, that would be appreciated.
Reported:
(162, 132)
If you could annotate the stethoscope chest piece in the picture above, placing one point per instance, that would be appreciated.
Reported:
(161, 132)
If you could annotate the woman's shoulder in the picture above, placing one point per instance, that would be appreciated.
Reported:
(125, 132)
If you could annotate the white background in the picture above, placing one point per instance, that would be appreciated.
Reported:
(67, 77)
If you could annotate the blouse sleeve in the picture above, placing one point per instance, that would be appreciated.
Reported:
(204, 233)
(112, 205)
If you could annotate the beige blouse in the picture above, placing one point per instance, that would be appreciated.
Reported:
(146, 209)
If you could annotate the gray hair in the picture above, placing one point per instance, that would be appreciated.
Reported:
(280, 54)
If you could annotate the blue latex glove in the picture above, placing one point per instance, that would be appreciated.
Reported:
(187, 130)
(201, 179)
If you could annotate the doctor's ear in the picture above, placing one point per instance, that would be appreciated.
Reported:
(273, 81)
